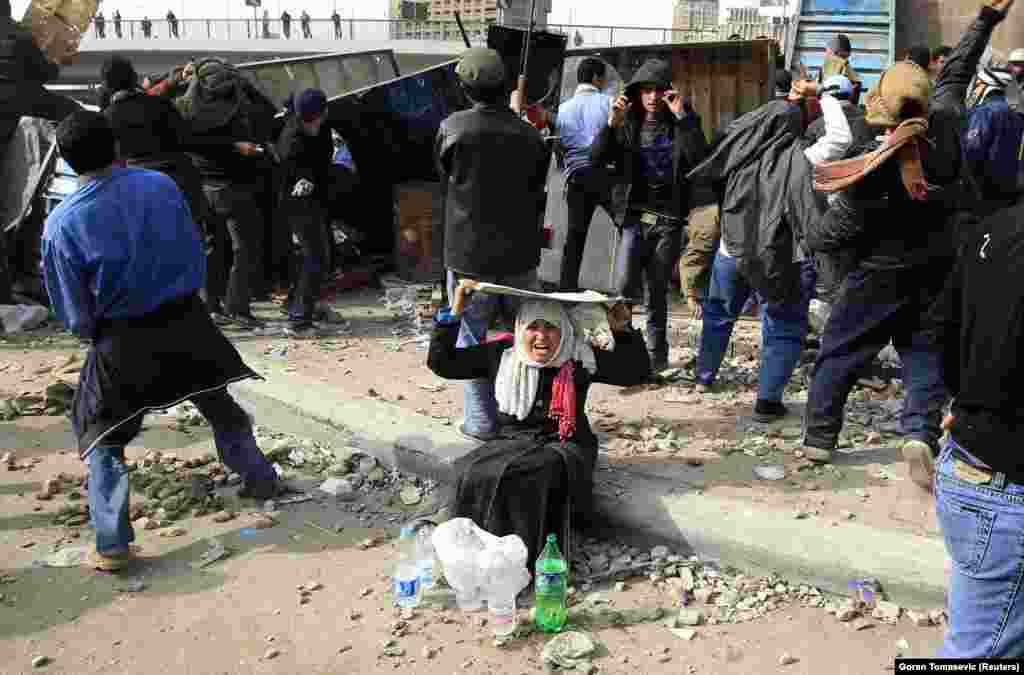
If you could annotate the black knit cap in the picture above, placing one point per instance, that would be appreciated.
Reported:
(118, 73)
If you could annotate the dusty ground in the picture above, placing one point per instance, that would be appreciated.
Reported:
(225, 619)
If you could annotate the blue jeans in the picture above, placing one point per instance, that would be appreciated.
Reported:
(108, 500)
(783, 327)
(873, 308)
(982, 518)
(108, 475)
(480, 407)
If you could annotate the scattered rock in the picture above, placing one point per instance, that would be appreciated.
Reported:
(339, 488)
(271, 654)
(393, 649)
(429, 652)
(40, 661)
(620, 586)
(355, 615)
(687, 617)
(919, 619)
(862, 624)
(787, 660)
(684, 633)
(367, 544)
(411, 496)
(938, 616)
(902, 645)
(146, 523)
(365, 592)
(169, 532)
(886, 611)
(223, 516)
(846, 614)
(659, 552)
(344, 648)
(314, 586)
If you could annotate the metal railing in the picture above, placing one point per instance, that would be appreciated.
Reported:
(400, 29)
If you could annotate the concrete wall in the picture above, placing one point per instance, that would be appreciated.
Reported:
(935, 22)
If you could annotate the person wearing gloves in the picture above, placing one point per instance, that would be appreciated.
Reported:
(653, 139)
(784, 324)
(123, 263)
(305, 150)
(538, 477)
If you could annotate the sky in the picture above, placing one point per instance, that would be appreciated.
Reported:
(655, 13)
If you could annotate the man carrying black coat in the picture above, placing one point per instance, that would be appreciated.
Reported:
(653, 138)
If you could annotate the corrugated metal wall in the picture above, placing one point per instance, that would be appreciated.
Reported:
(870, 25)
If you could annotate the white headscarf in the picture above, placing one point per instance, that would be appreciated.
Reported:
(515, 387)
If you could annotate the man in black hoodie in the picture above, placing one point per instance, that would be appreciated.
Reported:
(305, 150)
(653, 139)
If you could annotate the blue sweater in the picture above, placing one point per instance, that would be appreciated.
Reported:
(993, 146)
(120, 247)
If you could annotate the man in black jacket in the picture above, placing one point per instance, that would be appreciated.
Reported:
(305, 150)
(898, 271)
(980, 483)
(980, 474)
(493, 167)
(23, 71)
(653, 138)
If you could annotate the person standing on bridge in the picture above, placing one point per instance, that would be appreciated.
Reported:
(286, 24)
(307, 31)
(117, 24)
(101, 26)
(123, 262)
(336, 20)
(147, 27)
(172, 25)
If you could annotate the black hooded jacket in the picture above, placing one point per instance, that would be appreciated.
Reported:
(766, 195)
(620, 148)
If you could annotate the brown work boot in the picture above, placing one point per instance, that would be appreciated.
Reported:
(819, 455)
(920, 463)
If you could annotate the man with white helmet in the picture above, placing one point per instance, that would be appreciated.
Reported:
(993, 140)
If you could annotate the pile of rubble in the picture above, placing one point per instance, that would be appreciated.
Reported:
(53, 398)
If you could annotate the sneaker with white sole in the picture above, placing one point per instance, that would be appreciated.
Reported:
(920, 463)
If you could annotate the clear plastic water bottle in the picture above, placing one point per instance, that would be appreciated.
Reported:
(502, 607)
(425, 556)
(406, 579)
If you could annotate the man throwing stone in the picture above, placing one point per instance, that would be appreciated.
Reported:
(123, 266)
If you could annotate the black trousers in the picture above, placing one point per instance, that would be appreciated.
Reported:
(648, 252)
(309, 225)
(235, 206)
(584, 192)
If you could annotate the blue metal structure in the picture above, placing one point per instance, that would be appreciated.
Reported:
(870, 25)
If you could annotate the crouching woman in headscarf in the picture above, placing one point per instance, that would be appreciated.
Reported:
(539, 474)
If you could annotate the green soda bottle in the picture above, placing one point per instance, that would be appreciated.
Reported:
(550, 587)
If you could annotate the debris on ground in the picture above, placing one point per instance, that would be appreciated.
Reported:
(53, 398)
(571, 650)
(215, 551)
(40, 661)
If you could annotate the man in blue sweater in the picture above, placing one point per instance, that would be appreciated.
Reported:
(123, 264)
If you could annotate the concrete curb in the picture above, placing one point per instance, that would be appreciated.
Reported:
(653, 509)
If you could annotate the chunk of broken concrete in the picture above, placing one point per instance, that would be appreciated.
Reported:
(919, 619)
(886, 611)
(684, 633)
(339, 488)
(223, 516)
